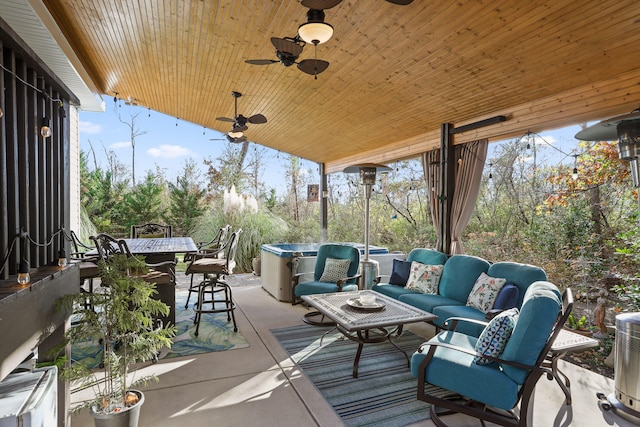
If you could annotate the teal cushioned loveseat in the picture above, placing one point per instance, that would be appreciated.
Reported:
(458, 277)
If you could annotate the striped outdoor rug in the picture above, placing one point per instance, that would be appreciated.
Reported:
(384, 394)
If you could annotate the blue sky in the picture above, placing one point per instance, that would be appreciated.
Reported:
(168, 142)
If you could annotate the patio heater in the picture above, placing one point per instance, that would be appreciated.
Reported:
(626, 129)
(368, 171)
(625, 401)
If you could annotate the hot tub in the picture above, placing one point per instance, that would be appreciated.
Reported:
(277, 262)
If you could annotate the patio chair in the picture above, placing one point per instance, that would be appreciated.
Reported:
(214, 270)
(161, 273)
(336, 270)
(214, 247)
(490, 376)
(86, 263)
(150, 230)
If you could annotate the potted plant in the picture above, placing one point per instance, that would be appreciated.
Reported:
(119, 315)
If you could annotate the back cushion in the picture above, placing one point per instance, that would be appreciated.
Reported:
(427, 256)
(521, 275)
(538, 315)
(460, 274)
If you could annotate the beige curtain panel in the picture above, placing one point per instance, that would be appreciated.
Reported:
(470, 160)
(431, 169)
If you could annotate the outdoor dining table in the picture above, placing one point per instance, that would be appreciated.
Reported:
(160, 249)
(157, 250)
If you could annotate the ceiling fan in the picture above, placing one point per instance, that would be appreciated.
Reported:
(288, 49)
(240, 122)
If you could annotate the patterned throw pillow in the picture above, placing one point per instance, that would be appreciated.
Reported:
(495, 335)
(484, 292)
(335, 269)
(424, 278)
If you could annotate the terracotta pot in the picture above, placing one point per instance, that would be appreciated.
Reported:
(128, 417)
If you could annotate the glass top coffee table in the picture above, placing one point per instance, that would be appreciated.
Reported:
(371, 323)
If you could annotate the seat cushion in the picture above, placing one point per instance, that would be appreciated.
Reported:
(157, 277)
(88, 270)
(315, 287)
(210, 266)
(456, 371)
(427, 302)
(444, 312)
(392, 291)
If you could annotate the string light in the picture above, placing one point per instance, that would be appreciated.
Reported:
(45, 130)
(23, 266)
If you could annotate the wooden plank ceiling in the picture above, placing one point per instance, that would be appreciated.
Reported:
(396, 72)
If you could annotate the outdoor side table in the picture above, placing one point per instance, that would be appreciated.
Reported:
(566, 342)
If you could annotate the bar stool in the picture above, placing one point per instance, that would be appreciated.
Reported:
(214, 248)
(214, 271)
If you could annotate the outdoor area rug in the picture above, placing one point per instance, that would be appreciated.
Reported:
(215, 334)
(384, 394)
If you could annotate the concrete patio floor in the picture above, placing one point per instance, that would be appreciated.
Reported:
(260, 385)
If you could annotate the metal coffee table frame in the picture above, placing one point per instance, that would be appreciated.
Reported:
(367, 326)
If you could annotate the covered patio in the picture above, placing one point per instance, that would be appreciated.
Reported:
(402, 81)
(235, 387)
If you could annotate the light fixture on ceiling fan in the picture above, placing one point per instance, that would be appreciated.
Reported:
(315, 30)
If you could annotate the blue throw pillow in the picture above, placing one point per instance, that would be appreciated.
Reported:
(507, 297)
(400, 272)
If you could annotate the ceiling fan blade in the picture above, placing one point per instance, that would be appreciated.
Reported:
(401, 2)
(225, 119)
(287, 45)
(320, 4)
(261, 61)
(257, 119)
(313, 66)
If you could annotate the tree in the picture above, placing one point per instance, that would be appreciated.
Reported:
(186, 200)
(144, 202)
(133, 132)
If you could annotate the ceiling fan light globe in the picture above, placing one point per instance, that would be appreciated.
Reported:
(315, 32)
(236, 134)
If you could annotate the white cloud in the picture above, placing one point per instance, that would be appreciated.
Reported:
(167, 151)
(123, 144)
(546, 139)
(89, 127)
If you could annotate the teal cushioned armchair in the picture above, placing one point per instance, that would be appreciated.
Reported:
(315, 286)
(449, 378)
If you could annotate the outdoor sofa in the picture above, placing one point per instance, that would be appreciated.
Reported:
(457, 291)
